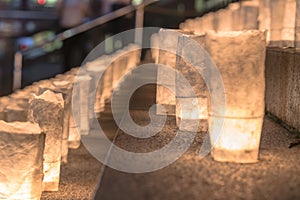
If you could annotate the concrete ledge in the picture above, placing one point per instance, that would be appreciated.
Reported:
(283, 85)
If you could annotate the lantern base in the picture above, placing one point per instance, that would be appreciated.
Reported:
(167, 110)
(73, 144)
(51, 176)
(237, 156)
(191, 125)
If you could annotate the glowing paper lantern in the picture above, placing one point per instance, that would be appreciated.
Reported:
(190, 108)
(240, 57)
(47, 110)
(168, 41)
(22, 146)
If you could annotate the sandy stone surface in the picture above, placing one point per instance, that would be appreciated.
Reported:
(283, 85)
(275, 176)
(78, 178)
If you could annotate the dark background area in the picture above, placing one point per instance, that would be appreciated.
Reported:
(21, 19)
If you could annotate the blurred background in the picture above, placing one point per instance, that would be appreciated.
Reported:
(29, 28)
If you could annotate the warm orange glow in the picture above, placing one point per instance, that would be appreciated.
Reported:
(235, 130)
(240, 134)
(51, 176)
(191, 108)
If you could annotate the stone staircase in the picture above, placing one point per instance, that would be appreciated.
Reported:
(44, 108)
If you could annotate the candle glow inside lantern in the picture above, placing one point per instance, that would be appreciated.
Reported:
(240, 58)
